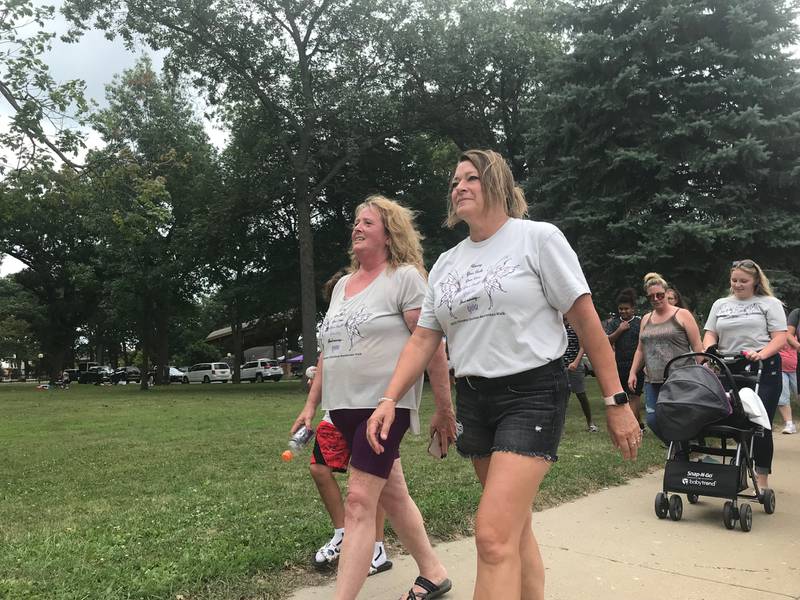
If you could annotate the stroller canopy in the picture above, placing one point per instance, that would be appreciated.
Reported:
(691, 398)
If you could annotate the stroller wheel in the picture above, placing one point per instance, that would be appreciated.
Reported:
(768, 500)
(661, 505)
(693, 498)
(675, 507)
(746, 517)
(729, 515)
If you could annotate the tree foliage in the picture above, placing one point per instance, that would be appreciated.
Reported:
(44, 114)
(667, 139)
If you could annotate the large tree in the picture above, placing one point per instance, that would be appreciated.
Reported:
(157, 180)
(311, 68)
(668, 140)
(47, 222)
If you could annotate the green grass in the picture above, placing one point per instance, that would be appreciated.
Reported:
(110, 492)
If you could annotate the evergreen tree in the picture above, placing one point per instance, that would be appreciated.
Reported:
(667, 140)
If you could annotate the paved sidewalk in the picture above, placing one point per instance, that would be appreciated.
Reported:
(610, 545)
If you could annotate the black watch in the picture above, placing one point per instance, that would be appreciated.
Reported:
(617, 399)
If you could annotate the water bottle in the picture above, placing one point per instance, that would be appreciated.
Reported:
(297, 442)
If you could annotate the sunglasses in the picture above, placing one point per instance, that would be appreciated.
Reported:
(747, 264)
(656, 296)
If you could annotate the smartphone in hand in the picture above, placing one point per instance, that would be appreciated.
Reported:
(435, 448)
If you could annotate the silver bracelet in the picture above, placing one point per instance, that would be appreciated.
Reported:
(384, 399)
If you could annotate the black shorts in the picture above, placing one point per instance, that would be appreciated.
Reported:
(522, 413)
(624, 371)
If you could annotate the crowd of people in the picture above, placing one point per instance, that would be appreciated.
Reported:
(511, 306)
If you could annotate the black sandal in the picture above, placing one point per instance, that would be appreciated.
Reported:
(431, 589)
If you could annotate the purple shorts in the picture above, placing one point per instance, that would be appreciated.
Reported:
(352, 423)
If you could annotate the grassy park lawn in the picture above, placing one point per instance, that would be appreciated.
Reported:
(110, 492)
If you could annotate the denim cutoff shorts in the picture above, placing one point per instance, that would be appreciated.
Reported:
(522, 413)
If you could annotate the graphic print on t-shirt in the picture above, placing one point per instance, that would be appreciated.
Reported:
(344, 323)
(479, 280)
(731, 309)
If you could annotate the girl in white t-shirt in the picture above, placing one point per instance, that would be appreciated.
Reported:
(751, 321)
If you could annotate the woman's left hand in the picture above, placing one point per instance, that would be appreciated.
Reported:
(753, 355)
(443, 422)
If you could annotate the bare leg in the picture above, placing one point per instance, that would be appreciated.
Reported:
(380, 519)
(585, 407)
(509, 562)
(786, 413)
(636, 406)
(329, 492)
(362, 502)
(409, 526)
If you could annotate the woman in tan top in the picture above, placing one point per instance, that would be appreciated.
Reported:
(666, 332)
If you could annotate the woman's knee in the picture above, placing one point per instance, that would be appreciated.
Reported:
(361, 504)
(320, 473)
(495, 545)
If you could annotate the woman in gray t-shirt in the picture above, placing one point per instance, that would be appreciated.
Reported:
(751, 321)
(373, 310)
(499, 296)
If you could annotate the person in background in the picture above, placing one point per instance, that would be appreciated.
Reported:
(372, 313)
(674, 297)
(623, 333)
(576, 374)
(666, 332)
(751, 321)
(499, 297)
(789, 368)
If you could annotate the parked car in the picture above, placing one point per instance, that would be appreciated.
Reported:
(208, 372)
(175, 375)
(96, 375)
(260, 369)
(127, 374)
(74, 375)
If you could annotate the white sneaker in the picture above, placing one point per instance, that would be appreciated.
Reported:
(328, 554)
(790, 427)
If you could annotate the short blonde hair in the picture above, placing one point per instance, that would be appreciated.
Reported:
(652, 279)
(761, 287)
(497, 184)
(405, 241)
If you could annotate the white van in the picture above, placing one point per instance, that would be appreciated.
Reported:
(208, 372)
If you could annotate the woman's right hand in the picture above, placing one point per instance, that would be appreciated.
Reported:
(380, 423)
(632, 382)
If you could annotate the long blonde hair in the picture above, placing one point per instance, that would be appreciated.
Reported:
(405, 241)
(761, 285)
(497, 185)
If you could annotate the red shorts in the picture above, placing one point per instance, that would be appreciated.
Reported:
(330, 448)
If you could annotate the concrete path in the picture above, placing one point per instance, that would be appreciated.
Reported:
(610, 545)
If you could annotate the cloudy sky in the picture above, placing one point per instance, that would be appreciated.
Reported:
(95, 60)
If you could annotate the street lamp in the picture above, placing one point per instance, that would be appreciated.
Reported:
(39, 368)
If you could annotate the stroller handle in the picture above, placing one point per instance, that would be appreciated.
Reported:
(717, 359)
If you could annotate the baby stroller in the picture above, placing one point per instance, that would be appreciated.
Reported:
(696, 405)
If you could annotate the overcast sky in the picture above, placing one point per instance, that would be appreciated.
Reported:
(95, 60)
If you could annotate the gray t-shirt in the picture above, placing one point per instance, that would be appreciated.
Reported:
(745, 324)
(361, 339)
(500, 301)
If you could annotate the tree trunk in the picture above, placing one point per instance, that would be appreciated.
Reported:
(308, 295)
(162, 347)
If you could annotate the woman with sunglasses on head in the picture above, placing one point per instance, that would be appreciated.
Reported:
(751, 321)
(666, 332)
(499, 296)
